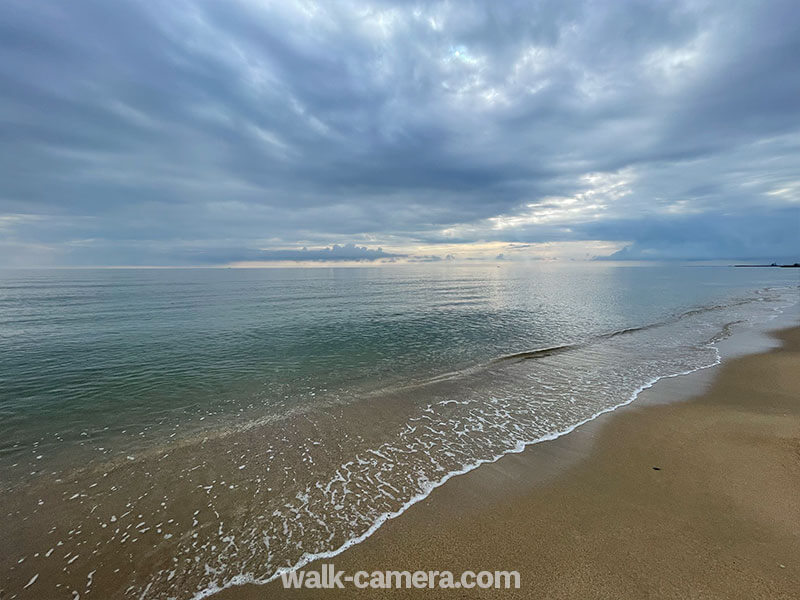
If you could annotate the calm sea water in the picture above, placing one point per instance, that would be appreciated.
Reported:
(253, 419)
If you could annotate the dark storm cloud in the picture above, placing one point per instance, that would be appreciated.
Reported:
(204, 132)
(348, 252)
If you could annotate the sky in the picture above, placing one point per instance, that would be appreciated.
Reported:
(250, 132)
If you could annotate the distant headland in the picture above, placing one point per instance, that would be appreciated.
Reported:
(793, 266)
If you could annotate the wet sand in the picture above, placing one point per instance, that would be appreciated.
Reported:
(588, 515)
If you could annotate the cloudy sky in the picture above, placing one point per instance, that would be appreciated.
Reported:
(189, 132)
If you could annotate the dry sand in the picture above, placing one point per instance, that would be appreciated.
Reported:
(587, 515)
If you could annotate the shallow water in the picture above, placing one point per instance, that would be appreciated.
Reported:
(179, 430)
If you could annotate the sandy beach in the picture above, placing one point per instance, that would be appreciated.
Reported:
(664, 499)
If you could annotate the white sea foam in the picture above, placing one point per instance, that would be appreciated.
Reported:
(248, 578)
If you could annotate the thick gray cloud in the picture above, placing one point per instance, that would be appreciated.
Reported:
(205, 132)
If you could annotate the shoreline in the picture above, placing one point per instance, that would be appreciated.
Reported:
(462, 509)
(422, 497)
(245, 580)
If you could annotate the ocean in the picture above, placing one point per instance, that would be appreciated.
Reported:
(176, 431)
